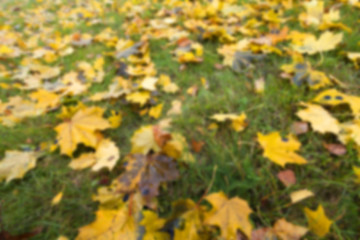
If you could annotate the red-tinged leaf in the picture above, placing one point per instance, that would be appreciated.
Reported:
(218, 66)
(197, 145)
(287, 177)
(263, 234)
(4, 235)
(160, 136)
(299, 128)
(336, 149)
(183, 42)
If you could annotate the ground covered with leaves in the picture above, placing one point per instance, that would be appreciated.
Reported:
(182, 120)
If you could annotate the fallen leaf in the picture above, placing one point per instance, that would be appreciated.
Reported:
(320, 119)
(143, 141)
(81, 129)
(287, 177)
(229, 214)
(153, 225)
(299, 128)
(300, 195)
(288, 231)
(326, 42)
(119, 223)
(147, 173)
(16, 164)
(318, 221)
(357, 173)
(57, 199)
(281, 150)
(197, 145)
(336, 149)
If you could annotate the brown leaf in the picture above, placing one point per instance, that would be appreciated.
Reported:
(299, 128)
(160, 136)
(336, 149)
(218, 66)
(147, 173)
(197, 145)
(4, 235)
(183, 42)
(287, 177)
(263, 234)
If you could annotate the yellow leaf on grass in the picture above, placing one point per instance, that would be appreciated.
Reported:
(81, 129)
(192, 218)
(281, 150)
(300, 195)
(115, 119)
(230, 215)
(16, 164)
(333, 97)
(326, 42)
(45, 99)
(288, 231)
(320, 119)
(238, 122)
(138, 97)
(155, 111)
(143, 141)
(111, 224)
(153, 224)
(57, 199)
(318, 221)
(357, 173)
(106, 155)
(149, 83)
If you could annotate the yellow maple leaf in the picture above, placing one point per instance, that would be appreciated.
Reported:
(45, 99)
(281, 150)
(138, 97)
(333, 97)
(143, 140)
(192, 219)
(155, 111)
(326, 42)
(288, 231)
(320, 119)
(81, 129)
(318, 221)
(106, 155)
(16, 164)
(111, 224)
(153, 224)
(229, 214)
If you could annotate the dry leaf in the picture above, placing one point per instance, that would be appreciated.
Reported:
(299, 128)
(287, 177)
(229, 214)
(336, 149)
(300, 195)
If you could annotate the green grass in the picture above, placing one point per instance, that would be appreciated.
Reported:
(242, 171)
